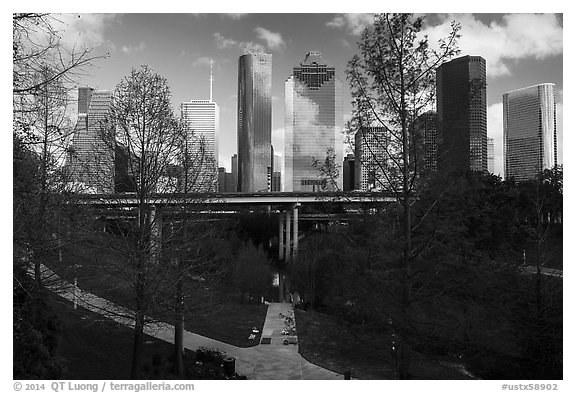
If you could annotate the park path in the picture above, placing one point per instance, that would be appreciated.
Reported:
(265, 361)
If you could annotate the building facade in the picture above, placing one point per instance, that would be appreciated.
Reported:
(254, 122)
(234, 166)
(427, 139)
(462, 121)
(91, 162)
(530, 143)
(201, 121)
(373, 166)
(313, 126)
(348, 172)
(490, 155)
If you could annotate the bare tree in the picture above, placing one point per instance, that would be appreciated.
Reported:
(393, 83)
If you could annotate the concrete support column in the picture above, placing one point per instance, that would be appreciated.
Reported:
(288, 234)
(281, 237)
(295, 249)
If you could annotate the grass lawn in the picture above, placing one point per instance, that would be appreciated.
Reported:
(101, 274)
(94, 347)
(340, 346)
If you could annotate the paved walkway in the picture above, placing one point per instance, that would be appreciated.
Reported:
(265, 361)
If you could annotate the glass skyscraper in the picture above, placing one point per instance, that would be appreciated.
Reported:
(372, 161)
(461, 108)
(313, 126)
(491, 155)
(201, 119)
(254, 122)
(530, 144)
(92, 157)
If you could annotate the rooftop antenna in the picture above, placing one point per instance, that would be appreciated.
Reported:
(211, 79)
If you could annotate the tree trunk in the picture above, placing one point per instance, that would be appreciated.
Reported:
(179, 332)
(137, 348)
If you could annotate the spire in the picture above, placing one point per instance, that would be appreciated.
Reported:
(211, 79)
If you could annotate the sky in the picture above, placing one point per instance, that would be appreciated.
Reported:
(520, 50)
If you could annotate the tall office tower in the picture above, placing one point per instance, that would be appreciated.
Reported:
(490, 155)
(530, 144)
(201, 119)
(313, 126)
(254, 122)
(461, 105)
(277, 181)
(348, 173)
(276, 172)
(221, 179)
(426, 128)
(92, 157)
(372, 162)
(234, 161)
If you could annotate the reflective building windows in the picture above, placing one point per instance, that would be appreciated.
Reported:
(313, 127)
(254, 122)
(529, 131)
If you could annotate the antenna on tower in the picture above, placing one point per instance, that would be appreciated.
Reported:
(211, 79)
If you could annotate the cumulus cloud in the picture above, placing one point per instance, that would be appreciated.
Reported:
(236, 16)
(246, 46)
(84, 30)
(273, 40)
(202, 61)
(132, 49)
(353, 23)
(516, 37)
(223, 42)
(205, 62)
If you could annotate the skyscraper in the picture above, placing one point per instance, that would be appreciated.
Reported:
(461, 105)
(348, 173)
(372, 162)
(92, 157)
(234, 165)
(201, 119)
(530, 144)
(490, 155)
(313, 126)
(426, 128)
(254, 122)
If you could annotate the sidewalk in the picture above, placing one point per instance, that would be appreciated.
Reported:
(265, 361)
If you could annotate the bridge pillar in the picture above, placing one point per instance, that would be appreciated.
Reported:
(155, 234)
(295, 248)
(281, 237)
(288, 239)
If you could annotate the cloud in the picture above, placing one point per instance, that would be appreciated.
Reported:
(353, 23)
(246, 46)
(515, 37)
(132, 49)
(202, 61)
(251, 47)
(205, 61)
(223, 42)
(236, 16)
(273, 40)
(84, 30)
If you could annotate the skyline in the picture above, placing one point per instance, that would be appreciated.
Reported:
(180, 47)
